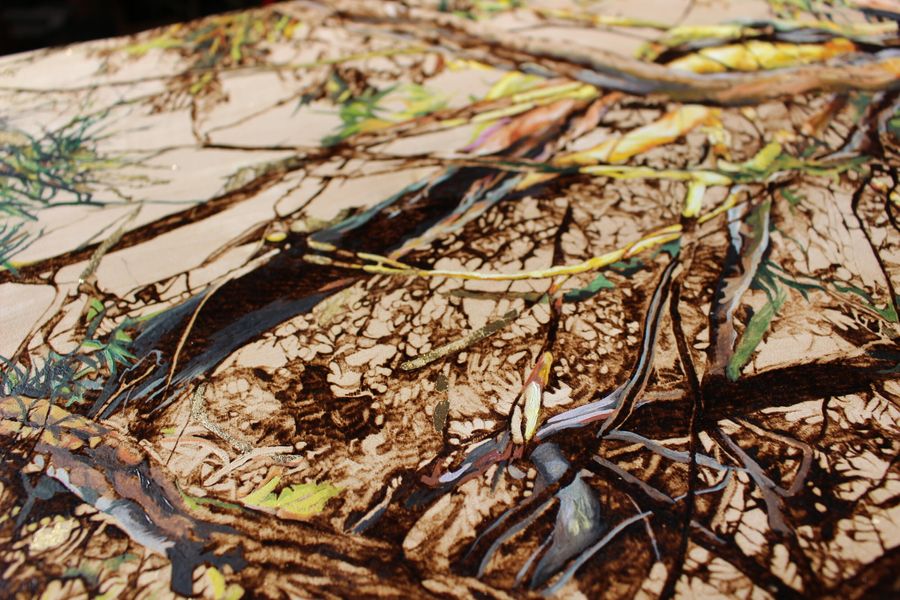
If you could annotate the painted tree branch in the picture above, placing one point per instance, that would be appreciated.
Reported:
(716, 444)
(115, 476)
(613, 71)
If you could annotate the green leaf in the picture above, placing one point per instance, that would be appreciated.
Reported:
(116, 561)
(92, 344)
(628, 267)
(260, 496)
(888, 312)
(306, 499)
(671, 248)
(764, 158)
(793, 197)
(803, 288)
(122, 336)
(301, 500)
(590, 290)
(753, 334)
(894, 126)
(852, 289)
(95, 307)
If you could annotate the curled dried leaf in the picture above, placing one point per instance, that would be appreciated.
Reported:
(760, 56)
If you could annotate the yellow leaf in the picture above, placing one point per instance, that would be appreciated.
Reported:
(756, 55)
(667, 129)
(623, 172)
(419, 101)
(547, 91)
(597, 154)
(217, 581)
(765, 157)
(532, 409)
(599, 20)
(533, 178)
(693, 202)
(234, 592)
(892, 65)
(301, 500)
(507, 111)
(305, 499)
(761, 161)
(459, 64)
(261, 496)
(690, 33)
(448, 123)
(511, 83)
(719, 138)
(370, 125)
(219, 589)
(52, 535)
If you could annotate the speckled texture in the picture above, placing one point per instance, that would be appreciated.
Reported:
(459, 299)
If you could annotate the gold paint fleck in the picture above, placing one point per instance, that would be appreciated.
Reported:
(51, 536)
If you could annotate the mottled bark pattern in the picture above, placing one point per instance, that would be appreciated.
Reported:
(457, 299)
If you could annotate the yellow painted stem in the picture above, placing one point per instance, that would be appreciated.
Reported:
(386, 266)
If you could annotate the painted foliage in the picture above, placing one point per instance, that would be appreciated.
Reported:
(455, 299)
